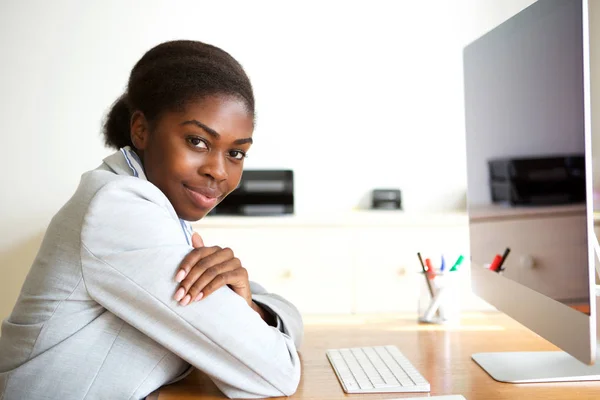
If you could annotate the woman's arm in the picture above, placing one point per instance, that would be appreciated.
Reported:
(288, 319)
(271, 307)
(131, 245)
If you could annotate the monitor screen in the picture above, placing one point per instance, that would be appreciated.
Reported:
(525, 152)
(529, 170)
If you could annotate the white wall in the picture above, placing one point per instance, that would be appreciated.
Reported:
(352, 95)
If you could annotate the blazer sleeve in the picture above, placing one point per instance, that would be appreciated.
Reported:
(289, 319)
(131, 246)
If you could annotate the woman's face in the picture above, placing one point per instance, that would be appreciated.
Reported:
(195, 157)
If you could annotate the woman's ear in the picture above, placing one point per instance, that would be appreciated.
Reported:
(139, 130)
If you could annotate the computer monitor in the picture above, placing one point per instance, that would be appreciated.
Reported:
(528, 122)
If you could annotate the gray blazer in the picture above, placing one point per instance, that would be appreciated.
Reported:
(96, 317)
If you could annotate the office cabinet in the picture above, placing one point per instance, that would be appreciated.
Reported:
(358, 263)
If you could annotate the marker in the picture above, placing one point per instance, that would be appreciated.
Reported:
(443, 264)
(430, 270)
(496, 263)
(500, 267)
(425, 275)
(457, 263)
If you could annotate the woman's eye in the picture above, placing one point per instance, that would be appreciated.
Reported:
(197, 142)
(237, 154)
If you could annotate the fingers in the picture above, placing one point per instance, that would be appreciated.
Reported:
(192, 259)
(212, 260)
(197, 241)
(228, 273)
(209, 260)
(236, 279)
(189, 261)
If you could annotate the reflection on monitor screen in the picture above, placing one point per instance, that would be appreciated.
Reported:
(529, 176)
(525, 149)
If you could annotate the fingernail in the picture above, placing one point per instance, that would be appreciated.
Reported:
(180, 275)
(179, 294)
(200, 296)
(186, 300)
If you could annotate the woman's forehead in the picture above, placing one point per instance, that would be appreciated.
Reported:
(225, 115)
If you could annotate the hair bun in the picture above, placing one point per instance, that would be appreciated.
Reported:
(116, 126)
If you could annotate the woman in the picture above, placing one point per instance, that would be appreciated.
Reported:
(122, 298)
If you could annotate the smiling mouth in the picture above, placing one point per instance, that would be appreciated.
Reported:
(203, 198)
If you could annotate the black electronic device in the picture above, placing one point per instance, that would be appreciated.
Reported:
(260, 192)
(537, 180)
(388, 199)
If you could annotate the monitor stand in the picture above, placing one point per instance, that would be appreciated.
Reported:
(536, 366)
(542, 366)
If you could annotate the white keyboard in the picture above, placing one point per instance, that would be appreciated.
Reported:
(376, 370)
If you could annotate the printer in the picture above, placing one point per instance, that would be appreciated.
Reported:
(538, 180)
(260, 192)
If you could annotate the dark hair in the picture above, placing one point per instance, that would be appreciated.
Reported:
(170, 75)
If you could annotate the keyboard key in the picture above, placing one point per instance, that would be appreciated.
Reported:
(364, 384)
(385, 385)
(391, 380)
(350, 384)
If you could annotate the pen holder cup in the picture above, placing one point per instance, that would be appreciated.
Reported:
(443, 307)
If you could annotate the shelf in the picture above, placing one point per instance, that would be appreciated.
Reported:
(499, 211)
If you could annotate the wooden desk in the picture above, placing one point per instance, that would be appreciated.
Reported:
(441, 354)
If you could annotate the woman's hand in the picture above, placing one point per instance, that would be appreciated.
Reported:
(205, 269)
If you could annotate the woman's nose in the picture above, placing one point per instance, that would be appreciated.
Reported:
(214, 166)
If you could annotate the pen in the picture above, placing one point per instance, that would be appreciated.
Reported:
(425, 275)
(443, 264)
(457, 263)
(500, 266)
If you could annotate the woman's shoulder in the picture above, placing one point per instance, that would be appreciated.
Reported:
(123, 211)
(100, 185)
(98, 180)
(102, 191)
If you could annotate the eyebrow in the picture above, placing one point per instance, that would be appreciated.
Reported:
(212, 132)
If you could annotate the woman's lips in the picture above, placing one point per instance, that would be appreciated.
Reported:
(202, 197)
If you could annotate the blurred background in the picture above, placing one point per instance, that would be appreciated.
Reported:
(351, 96)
